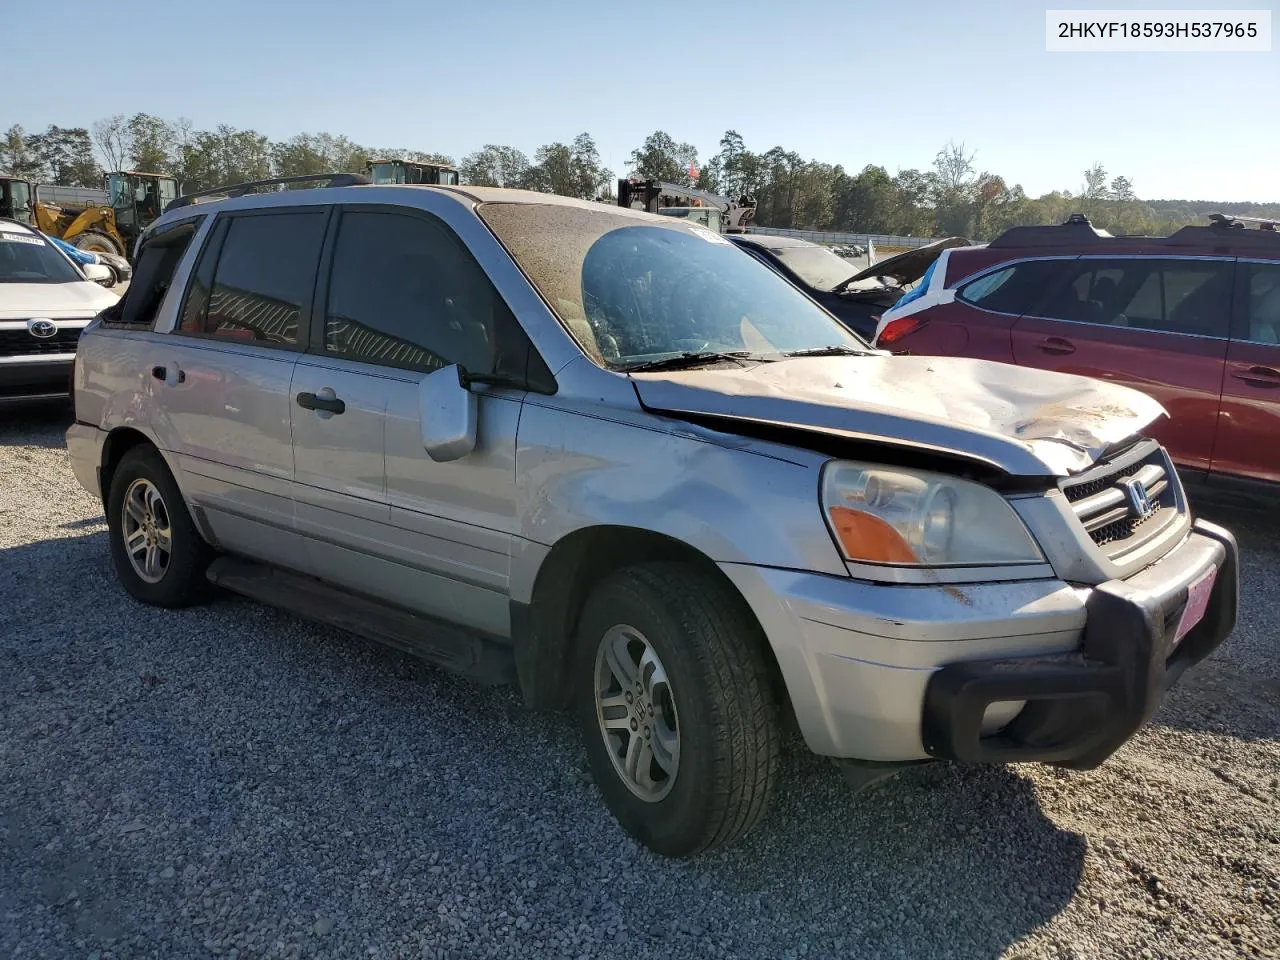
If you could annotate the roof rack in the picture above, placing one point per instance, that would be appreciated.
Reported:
(1229, 221)
(1072, 232)
(240, 189)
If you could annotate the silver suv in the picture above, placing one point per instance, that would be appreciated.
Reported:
(613, 459)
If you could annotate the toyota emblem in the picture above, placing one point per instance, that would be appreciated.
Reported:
(44, 329)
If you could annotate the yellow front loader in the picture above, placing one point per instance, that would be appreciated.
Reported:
(100, 221)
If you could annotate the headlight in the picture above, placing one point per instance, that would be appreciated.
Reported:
(892, 515)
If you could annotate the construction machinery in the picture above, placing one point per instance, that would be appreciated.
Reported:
(98, 221)
(411, 171)
(701, 206)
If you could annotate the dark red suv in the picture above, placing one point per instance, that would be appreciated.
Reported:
(1193, 319)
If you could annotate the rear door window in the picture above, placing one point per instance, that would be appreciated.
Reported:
(1016, 289)
(1171, 296)
(1258, 297)
(260, 285)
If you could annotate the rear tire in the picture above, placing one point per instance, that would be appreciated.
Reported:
(94, 241)
(158, 553)
(697, 701)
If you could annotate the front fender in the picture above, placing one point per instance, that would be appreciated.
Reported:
(575, 470)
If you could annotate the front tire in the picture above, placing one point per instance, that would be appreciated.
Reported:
(675, 707)
(159, 556)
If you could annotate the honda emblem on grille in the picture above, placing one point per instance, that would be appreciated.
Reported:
(42, 328)
(1135, 492)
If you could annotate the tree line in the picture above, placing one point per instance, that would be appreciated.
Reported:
(951, 197)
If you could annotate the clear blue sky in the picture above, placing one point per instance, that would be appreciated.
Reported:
(844, 82)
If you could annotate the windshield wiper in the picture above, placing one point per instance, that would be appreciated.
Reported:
(688, 360)
(831, 351)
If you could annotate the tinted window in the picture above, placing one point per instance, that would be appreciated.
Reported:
(1261, 302)
(1015, 289)
(404, 292)
(263, 279)
(192, 319)
(152, 274)
(1172, 296)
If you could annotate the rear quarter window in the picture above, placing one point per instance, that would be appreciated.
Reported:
(153, 274)
(1017, 289)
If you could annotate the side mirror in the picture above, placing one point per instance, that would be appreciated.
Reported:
(98, 273)
(447, 414)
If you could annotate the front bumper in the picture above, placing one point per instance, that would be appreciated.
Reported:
(1016, 671)
(39, 377)
(1081, 707)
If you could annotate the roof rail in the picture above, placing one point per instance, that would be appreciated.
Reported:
(240, 189)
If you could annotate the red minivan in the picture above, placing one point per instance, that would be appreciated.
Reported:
(1193, 319)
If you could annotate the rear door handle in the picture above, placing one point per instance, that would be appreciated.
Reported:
(1259, 376)
(170, 373)
(310, 401)
(1056, 345)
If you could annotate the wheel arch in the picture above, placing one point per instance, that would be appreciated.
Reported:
(543, 630)
(118, 442)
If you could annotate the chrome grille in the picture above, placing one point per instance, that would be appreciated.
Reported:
(1124, 503)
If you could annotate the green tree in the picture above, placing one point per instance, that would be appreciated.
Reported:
(588, 177)
(225, 155)
(913, 209)
(552, 170)
(154, 145)
(738, 167)
(1094, 191)
(1122, 190)
(866, 202)
(661, 158)
(18, 157)
(66, 155)
(306, 154)
(495, 165)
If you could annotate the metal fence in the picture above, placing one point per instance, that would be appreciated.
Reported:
(861, 239)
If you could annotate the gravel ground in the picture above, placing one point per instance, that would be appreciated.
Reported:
(233, 782)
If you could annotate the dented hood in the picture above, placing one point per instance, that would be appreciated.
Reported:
(1023, 422)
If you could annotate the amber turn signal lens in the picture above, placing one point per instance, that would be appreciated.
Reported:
(867, 537)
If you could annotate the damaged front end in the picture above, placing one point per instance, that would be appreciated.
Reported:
(1064, 453)
(997, 418)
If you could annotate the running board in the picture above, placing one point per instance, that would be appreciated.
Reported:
(462, 651)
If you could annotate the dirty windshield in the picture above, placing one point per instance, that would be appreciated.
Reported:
(633, 291)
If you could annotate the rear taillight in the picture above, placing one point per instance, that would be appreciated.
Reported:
(71, 387)
(895, 330)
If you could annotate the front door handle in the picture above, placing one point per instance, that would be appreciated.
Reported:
(1056, 345)
(328, 404)
(1259, 376)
